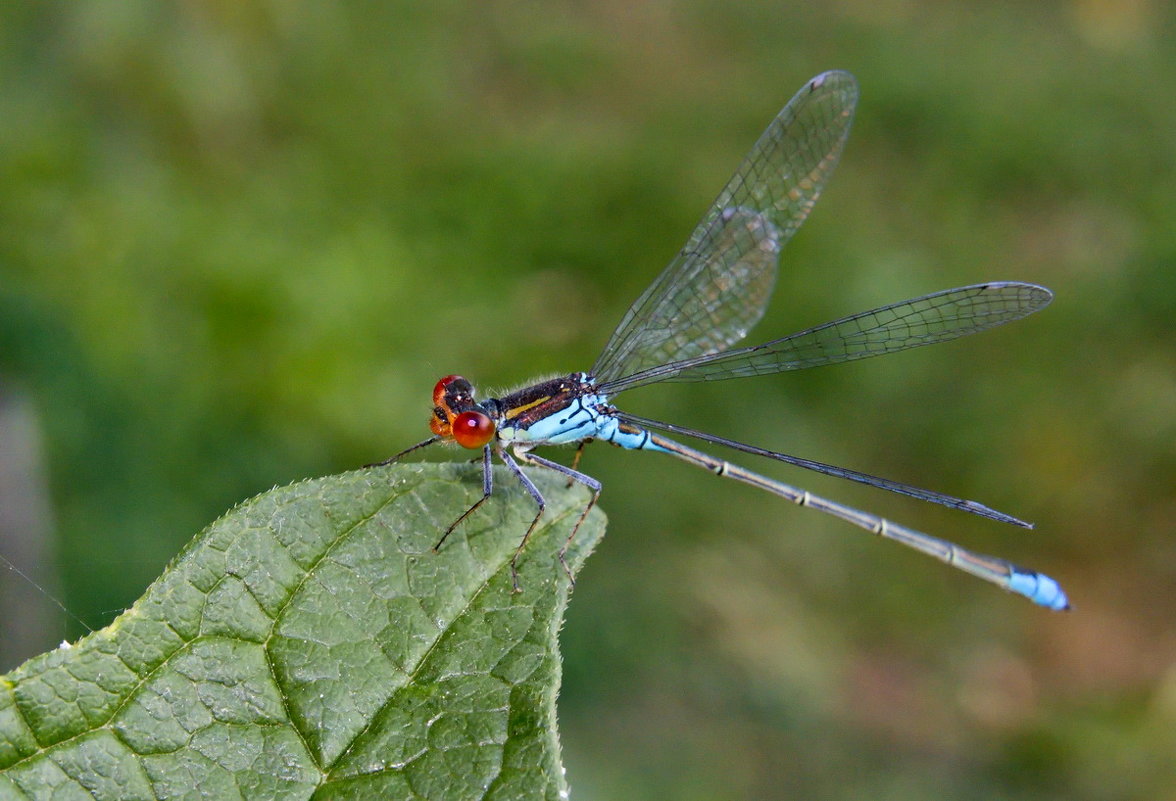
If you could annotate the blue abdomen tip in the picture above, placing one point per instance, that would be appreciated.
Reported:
(1040, 589)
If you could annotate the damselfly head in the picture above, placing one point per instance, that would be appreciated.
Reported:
(456, 416)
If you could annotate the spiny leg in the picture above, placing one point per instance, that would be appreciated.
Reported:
(405, 452)
(487, 488)
(538, 496)
(573, 476)
(576, 460)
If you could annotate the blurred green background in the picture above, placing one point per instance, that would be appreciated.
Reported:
(239, 242)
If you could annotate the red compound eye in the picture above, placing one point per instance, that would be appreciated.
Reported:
(442, 385)
(472, 429)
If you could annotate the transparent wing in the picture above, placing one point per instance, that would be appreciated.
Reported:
(938, 317)
(718, 286)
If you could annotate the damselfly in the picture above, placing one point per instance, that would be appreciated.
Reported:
(683, 326)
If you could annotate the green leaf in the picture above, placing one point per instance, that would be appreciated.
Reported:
(310, 644)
